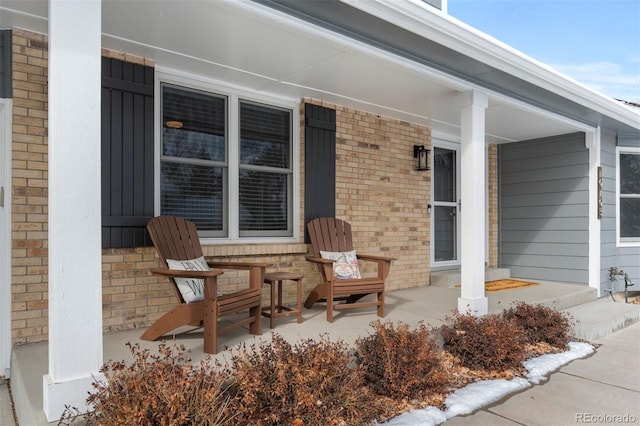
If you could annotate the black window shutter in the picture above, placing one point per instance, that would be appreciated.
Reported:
(5, 64)
(320, 162)
(127, 153)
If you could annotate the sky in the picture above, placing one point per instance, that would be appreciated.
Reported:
(595, 42)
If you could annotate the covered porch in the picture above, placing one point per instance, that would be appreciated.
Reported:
(428, 304)
(488, 95)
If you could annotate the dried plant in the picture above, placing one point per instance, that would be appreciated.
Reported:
(313, 383)
(490, 342)
(401, 362)
(162, 389)
(542, 324)
(309, 383)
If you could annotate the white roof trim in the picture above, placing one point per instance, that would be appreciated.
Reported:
(417, 17)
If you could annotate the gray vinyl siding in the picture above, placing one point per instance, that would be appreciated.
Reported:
(544, 206)
(624, 258)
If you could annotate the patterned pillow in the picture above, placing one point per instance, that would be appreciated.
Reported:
(192, 289)
(345, 265)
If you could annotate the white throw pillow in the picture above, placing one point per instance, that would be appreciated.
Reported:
(345, 265)
(192, 289)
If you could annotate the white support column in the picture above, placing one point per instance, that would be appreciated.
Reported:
(592, 142)
(6, 111)
(473, 207)
(75, 264)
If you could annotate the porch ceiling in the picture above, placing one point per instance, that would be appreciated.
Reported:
(265, 51)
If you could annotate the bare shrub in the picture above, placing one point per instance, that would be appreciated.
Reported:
(542, 324)
(309, 383)
(401, 362)
(163, 389)
(490, 342)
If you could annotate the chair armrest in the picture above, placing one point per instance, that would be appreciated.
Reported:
(236, 265)
(319, 259)
(375, 258)
(176, 273)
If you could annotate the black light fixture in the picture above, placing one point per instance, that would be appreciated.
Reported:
(422, 156)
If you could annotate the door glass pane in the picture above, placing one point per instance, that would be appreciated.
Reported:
(445, 233)
(444, 171)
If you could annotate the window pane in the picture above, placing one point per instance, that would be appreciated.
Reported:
(264, 201)
(630, 217)
(188, 144)
(200, 119)
(445, 233)
(444, 169)
(630, 173)
(265, 136)
(193, 192)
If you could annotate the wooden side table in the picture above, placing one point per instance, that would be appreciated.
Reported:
(277, 309)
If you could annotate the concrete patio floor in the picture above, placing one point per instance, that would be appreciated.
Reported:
(428, 304)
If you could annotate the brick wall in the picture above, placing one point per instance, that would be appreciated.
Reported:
(29, 189)
(133, 298)
(381, 194)
(378, 191)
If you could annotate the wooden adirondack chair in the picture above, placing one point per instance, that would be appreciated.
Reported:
(328, 234)
(177, 239)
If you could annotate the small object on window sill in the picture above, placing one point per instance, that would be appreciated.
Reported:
(174, 124)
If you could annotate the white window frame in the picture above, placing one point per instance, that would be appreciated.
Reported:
(234, 94)
(621, 241)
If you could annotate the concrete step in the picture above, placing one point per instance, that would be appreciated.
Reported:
(561, 299)
(451, 278)
(602, 317)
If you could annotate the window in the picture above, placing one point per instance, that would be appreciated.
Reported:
(265, 169)
(628, 168)
(226, 163)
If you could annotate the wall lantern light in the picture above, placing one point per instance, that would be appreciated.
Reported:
(422, 156)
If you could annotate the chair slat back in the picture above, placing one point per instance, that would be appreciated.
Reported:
(329, 234)
(174, 238)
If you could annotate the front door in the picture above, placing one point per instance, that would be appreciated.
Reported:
(445, 222)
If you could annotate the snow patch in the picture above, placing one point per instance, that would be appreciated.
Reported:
(476, 395)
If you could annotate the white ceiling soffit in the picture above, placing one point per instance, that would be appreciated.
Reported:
(263, 50)
(419, 32)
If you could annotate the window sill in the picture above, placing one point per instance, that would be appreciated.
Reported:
(269, 249)
(628, 244)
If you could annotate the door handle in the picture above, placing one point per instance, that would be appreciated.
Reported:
(1, 196)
